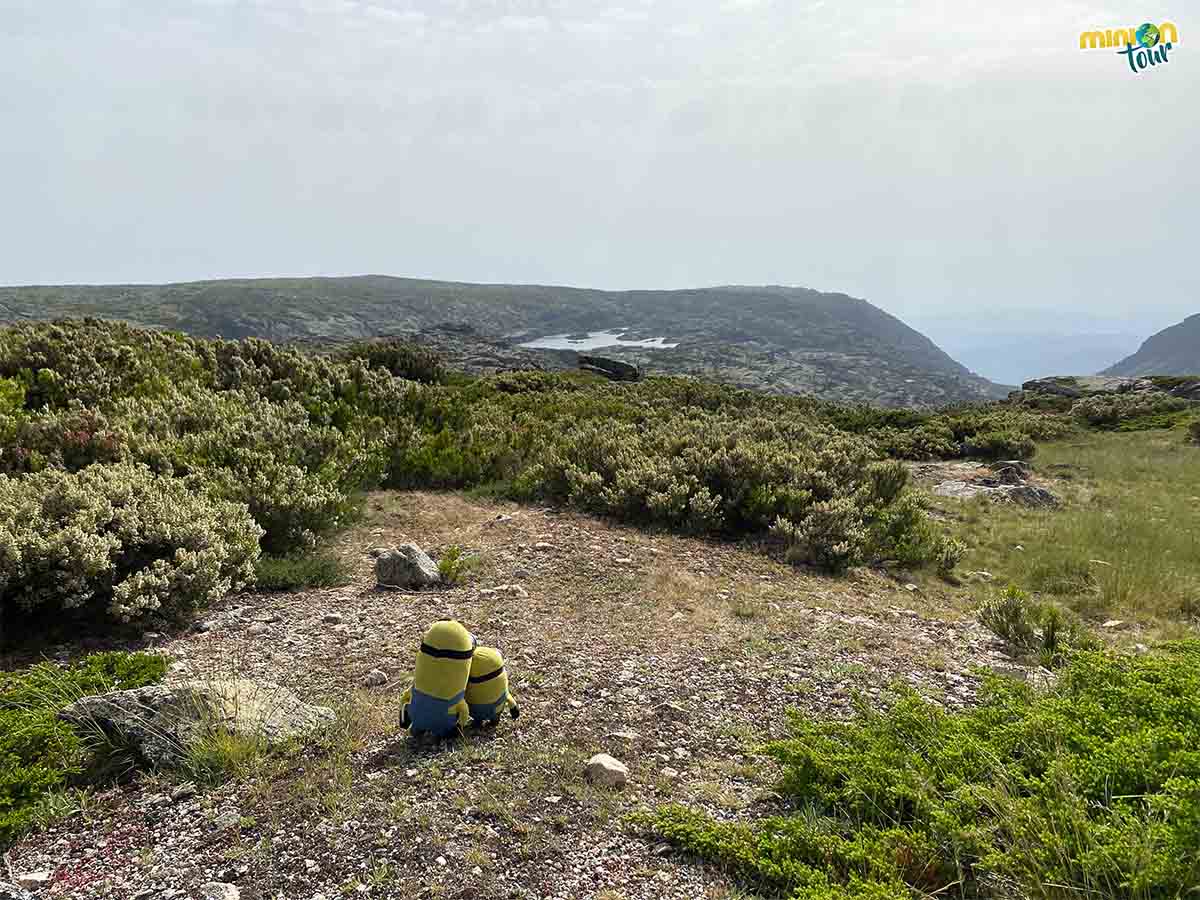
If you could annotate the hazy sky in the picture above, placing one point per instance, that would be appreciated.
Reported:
(933, 157)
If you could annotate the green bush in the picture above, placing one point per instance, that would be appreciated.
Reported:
(292, 573)
(1089, 788)
(1194, 432)
(454, 565)
(1001, 444)
(39, 754)
(1010, 616)
(402, 359)
(1111, 410)
(119, 541)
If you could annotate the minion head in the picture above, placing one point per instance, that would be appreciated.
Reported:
(486, 662)
(487, 689)
(444, 660)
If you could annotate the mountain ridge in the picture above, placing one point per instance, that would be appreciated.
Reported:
(1173, 351)
(773, 337)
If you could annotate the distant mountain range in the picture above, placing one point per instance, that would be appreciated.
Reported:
(1173, 351)
(780, 339)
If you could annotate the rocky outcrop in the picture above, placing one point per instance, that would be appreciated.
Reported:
(1023, 494)
(406, 566)
(1077, 386)
(612, 369)
(160, 722)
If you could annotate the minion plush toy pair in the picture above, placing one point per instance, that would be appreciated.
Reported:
(455, 681)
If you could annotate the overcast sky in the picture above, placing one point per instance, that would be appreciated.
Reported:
(932, 157)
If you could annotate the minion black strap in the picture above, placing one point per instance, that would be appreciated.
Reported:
(480, 679)
(439, 653)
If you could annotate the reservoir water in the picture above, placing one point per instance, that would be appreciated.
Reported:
(594, 341)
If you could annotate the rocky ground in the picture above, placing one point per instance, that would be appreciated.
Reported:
(674, 655)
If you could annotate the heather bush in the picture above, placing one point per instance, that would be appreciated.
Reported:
(400, 358)
(1005, 444)
(1194, 431)
(1110, 410)
(1088, 788)
(297, 478)
(39, 753)
(120, 541)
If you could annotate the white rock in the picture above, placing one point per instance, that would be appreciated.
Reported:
(406, 566)
(623, 735)
(606, 770)
(217, 890)
(375, 678)
(31, 881)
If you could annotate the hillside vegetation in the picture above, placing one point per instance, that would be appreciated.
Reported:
(144, 471)
(696, 560)
(783, 340)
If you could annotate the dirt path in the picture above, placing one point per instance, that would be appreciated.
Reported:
(672, 654)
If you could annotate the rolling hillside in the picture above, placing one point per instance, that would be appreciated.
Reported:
(785, 340)
(1173, 351)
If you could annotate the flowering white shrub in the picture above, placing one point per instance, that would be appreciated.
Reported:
(120, 540)
(1107, 410)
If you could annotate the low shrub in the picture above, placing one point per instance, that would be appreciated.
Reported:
(400, 358)
(1029, 627)
(1194, 432)
(1000, 444)
(1110, 410)
(455, 565)
(118, 541)
(1010, 616)
(1089, 788)
(41, 756)
(305, 570)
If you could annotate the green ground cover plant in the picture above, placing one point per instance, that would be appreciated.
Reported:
(41, 757)
(1089, 788)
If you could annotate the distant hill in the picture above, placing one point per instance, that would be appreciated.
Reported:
(780, 339)
(1173, 351)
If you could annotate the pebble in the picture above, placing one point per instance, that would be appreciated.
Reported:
(217, 890)
(31, 881)
(331, 619)
(606, 770)
(375, 678)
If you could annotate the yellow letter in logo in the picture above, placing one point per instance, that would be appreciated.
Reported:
(1162, 32)
(1121, 36)
(1091, 39)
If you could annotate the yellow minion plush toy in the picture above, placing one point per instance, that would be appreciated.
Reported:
(487, 688)
(435, 703)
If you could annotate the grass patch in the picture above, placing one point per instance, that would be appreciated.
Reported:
(41, 757)
(1125, 545)
(1089, 789)
(293, 573)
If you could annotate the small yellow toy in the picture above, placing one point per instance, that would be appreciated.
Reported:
(487, 688)
(435, 703)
